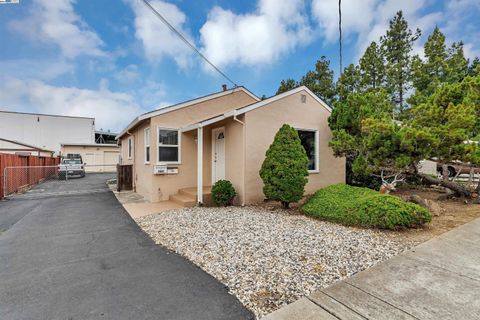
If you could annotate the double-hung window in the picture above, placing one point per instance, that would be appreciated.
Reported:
(147, 144)
(309, 140)
(168, 145)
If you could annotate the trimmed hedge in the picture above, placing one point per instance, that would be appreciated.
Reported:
(364, 207)
(223, 193)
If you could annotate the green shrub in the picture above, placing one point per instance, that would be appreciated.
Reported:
(284, 171)
(364, 207)
(223, 193)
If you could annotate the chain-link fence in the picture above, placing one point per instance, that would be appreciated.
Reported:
(21, 179)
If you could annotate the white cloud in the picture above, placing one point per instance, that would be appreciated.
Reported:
(55, 22)
(44, 69)
(157, 39)
(128, 74)
(276, 28)
(369, 19)
(112, 110)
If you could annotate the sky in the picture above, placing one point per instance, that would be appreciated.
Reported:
(114, 60)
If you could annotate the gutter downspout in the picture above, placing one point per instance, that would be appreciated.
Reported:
(134, 158)
(244, 147)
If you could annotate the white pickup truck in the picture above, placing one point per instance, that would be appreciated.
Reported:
(70, 167)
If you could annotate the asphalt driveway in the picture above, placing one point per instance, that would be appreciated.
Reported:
(68, 250)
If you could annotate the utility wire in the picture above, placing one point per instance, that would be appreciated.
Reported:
(340, 31)
(188, 43)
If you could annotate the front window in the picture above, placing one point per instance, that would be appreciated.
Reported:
(72, 161)
(147, 145)
(168, 146)
(309, 140)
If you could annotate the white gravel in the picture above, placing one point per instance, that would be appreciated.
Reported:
(269, 258)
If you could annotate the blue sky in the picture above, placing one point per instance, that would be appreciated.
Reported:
(114, 59)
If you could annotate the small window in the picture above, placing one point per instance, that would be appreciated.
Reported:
(309, 140)
(129, 147)
(147, 145)
(168, 145)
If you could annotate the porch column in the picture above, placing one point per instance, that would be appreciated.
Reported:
(200, 166)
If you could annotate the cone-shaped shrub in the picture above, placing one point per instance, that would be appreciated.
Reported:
(284, 170)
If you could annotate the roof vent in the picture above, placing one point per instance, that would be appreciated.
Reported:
(303, 98)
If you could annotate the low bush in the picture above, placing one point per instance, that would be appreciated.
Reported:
(364, 207)
(223, 193)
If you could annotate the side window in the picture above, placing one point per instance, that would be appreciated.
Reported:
(147, 145)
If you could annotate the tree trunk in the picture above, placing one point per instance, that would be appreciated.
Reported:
(458, 189)
(285, 205)
(445, 172)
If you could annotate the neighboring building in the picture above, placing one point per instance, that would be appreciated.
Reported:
(98, 157)
(105, 137)
(185, 148)
(20, 148)
(46, 131)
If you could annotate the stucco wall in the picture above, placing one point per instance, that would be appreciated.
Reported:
(263, 123)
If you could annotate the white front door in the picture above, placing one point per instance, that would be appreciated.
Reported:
(218, 154)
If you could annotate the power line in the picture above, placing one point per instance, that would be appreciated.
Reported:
(188, 43)
(340, 31)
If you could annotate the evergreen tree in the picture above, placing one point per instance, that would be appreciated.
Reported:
(284, 171)
(348, 82)
(321, 81)
(474, 68)
(372, 67)
(286, 85)
(457, 64)
(428, 75)
(397, 46)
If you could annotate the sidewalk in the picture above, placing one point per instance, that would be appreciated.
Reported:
(439, 279)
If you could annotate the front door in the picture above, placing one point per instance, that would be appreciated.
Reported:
(218, 154)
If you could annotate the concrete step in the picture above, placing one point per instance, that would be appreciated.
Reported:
(185, 201)
(193, 191)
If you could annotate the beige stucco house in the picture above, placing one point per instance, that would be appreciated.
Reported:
(179, 150)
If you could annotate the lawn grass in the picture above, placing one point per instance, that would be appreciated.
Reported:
(355, 206)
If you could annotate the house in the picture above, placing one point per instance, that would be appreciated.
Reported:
(99, 157)
(180, 150)
(23, 149)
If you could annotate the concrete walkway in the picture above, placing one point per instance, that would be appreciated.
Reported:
(439, 279)
(68, 250)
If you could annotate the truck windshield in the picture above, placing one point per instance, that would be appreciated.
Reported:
(72, 161)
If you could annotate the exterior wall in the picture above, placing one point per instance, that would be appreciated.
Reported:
(14, 148)
(96, 157)
(160, 187)
(263, 123)
(46, 131)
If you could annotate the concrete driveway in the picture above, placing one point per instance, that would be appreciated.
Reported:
(68, 250)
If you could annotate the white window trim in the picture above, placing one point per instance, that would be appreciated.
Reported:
(317, 148)
(129, 148)
(146, 143)
(179, 146)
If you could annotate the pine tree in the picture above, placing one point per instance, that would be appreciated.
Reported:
(457, 64)
(321, 81)
(284, 171)
(397, 46)
(474, 68)
(286, 85)
(372, 67)
(348, 82)
(428, 75)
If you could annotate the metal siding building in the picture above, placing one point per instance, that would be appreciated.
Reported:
(46, 131)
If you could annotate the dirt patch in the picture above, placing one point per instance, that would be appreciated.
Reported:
(450, 214)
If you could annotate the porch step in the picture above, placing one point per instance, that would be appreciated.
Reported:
(185, 201)
(192, 192)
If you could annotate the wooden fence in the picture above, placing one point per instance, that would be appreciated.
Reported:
(24, 178)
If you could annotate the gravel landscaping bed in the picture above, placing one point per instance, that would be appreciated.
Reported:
(268, 258)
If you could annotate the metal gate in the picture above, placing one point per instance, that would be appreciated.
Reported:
(28, 179)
